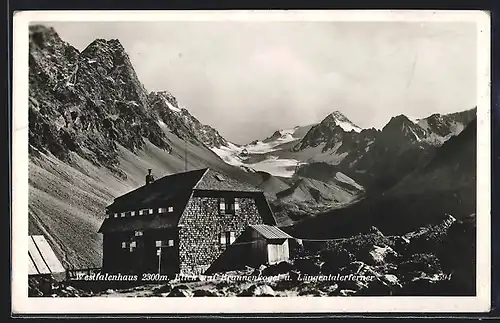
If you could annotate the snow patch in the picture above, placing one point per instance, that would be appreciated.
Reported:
(277, 166)
(423, 124)
(260, 147)
(346, 179)
(416, 136)
(348, 127)
(413, 119)
(273, 164)
(171, 106)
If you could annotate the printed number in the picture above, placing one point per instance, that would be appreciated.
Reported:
(154, 277)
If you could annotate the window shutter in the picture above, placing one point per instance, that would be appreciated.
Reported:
(223, 238)
(232, 237)
(222, 206)
(236, 204)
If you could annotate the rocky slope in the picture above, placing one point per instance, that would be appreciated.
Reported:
(88, 102)
(180, 122)
(435, 260)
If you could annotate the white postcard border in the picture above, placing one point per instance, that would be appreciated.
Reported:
(22, 304)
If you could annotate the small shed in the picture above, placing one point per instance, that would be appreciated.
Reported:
(271, 244)
(256, 245)
(42, 260)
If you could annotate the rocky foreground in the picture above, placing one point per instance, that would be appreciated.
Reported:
(436, 260)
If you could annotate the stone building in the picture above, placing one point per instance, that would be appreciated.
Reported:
(181, 223)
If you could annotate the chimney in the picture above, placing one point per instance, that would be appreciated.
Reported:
(149, 177)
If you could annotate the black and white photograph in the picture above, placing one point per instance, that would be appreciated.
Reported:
(328, 161)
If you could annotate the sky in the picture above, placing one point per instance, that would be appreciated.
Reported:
(248, 79)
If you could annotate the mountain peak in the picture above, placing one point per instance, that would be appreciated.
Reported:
(337, 118)
(105, 48)
(44, 37)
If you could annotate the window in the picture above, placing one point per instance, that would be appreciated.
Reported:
(115, 215)
(133, 244)
(122, 214)
(143, 211)
(162, 210)
(227, 206)
(219, 177)
(227, 238)
(150, 211)
(236, 205)
(138, 233)
(124, 244)
(164, 243)
(132, 213)
(222, 206)
(170, 209)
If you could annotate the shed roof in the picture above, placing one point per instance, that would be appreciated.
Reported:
(41, 257)
(270, 232)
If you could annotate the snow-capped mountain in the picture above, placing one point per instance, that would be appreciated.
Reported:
(263, 155)
(328, 133)
(379, 158)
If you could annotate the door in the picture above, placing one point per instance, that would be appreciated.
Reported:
(277, 251)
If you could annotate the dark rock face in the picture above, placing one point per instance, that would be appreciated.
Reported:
(181, 122)
(86, 102)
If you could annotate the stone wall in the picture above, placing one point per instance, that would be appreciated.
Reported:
(200, 225)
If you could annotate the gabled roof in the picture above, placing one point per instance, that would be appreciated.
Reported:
(175, 190)
(172, 187)
(169, 187)
(41, 258)
(215, 181)
(270, 232)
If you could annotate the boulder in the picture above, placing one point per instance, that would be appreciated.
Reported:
(334, 260)
(280, 268)
(418, 265)
(380, 255)
(390, 280)
(330, 289)
(258, 290)
(178, 291)
(347, 292)
(204, 293)
(167, 288)
(309, 266)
